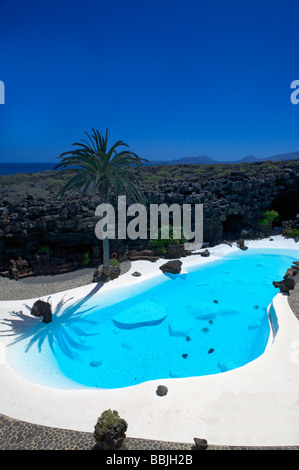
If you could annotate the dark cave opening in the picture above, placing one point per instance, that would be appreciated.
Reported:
(287, 204)
(232, 226)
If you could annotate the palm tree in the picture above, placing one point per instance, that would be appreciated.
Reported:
(95, 168)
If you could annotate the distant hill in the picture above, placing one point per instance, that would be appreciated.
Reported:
(203, 159)
(284, 157)
(249, 159)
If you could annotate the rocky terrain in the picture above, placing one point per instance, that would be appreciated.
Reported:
(43, 236)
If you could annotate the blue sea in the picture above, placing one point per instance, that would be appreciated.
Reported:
(33, 167)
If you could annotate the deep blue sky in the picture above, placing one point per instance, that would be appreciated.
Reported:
(171, 78)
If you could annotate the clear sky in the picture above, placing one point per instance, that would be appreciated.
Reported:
(171, 78)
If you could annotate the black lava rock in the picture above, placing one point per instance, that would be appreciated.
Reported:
(161, 390)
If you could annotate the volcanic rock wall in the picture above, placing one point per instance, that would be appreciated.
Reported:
(232, 202)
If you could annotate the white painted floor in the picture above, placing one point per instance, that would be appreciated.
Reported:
(257, 404)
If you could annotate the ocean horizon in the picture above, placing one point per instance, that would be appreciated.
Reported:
(34, 167)
(26, 167)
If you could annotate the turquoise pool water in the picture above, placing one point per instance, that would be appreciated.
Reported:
(208, 321)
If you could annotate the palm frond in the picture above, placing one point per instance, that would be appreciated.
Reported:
(91, 140)
(97, 167)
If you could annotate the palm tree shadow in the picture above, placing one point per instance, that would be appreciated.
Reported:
(59, 332)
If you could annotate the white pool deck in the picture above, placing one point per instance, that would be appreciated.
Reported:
(257, 404)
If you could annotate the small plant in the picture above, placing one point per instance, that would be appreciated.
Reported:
(109, 432)
(44, 250)
(268, 218)
(161, 244)
(267, 165)
(160, 250)
(85, 259)
(291, 232)
(163, 173)
(108, 419)
(114, 262)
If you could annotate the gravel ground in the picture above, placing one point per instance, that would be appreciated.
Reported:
(39, 286)
(19, 435)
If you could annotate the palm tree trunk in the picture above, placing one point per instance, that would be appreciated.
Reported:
(106, 257)
(106, 254)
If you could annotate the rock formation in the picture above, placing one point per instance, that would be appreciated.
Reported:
(42, 309)
(289, 280)
(233, 201)
(110, 436)
(99, 276)
(172, 267)
(162, 390)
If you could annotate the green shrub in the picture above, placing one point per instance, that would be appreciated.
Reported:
(44, 250)
(108, 419)
(161, 244)
(291, 232)
(163, 173)
(85, 259)
(114, 262)
(266, 165)
(269, 217)
(153, 179)
(223, 172)
(198, 171)
(161, 250)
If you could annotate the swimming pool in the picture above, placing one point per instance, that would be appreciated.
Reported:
(210, 320)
